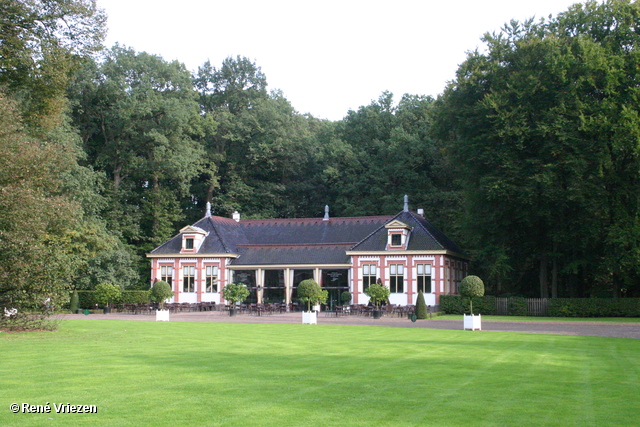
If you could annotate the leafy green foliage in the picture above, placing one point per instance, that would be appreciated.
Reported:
(378, 293)
(38, 221)
(345, 297)
(542, 128)
(235, 292)
(107, 294)
(161, 291)
(455, 304)
(41, 43)
(309, 291)
(517, 306)
(87, 299)
(471, 287)
(594, 307)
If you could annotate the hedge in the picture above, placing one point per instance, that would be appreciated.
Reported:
(517, 306)
(86, 299)
(455, 304)
(594, 307)
(557, 307)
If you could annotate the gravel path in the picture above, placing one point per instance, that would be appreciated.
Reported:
(618, 330)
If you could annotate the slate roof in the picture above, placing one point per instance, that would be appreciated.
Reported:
(298, 254)
(305, 240)
(424, 236)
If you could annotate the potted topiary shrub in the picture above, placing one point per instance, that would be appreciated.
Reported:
(345, 297)
(421, 307)
(160, 292)
(235, 293)
(377, 293)
(106, 294)
(311, 293)
(471, 287)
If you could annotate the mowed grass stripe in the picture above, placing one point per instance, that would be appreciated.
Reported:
(148, 373)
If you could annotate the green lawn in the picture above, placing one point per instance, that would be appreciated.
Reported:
(197, 374)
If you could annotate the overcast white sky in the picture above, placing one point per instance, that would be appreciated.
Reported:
(326, 56)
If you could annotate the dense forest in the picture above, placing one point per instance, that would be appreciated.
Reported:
(530, 159)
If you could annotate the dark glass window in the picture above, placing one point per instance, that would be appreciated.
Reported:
(188, 243)
(424, 278)
(396, 278)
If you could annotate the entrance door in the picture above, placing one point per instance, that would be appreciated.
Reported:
(335, 282)
(273, 287)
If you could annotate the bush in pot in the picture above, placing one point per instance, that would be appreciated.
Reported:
(235, 293)
(471, 287)
(345, 297)
(310, 292)
(160, 292)
(377, 293)
(106, 294)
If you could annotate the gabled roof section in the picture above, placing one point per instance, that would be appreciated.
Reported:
(221, 237)
(397, 224)
(192, 229)
(424, 236)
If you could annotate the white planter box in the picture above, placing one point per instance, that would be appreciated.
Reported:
(310, 317)
(472, 322)
(162, 315)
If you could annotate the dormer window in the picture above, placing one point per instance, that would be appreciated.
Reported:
(192, 238)
(188, 243)
(397, 235)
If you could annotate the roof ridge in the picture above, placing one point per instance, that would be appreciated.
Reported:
(319, 220)
(215, 230)
(376, 230)
(419, 221)
(288, 245)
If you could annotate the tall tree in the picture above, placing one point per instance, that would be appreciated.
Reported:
(540, 128)
(40, 44)
(258, 156)
(395, 155)
(45, 236)
(140, 122)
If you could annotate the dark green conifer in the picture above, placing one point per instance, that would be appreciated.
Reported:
(421, 307)
(73, 305)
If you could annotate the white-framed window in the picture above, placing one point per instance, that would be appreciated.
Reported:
(369, 274)
(423, 276)
(396, 278)
(188, 278)
(211, 278)
(166, 274)
(396, 239)
(188, 243)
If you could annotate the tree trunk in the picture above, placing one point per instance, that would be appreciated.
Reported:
(554, 279)
(117, 177)
(544, 285)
